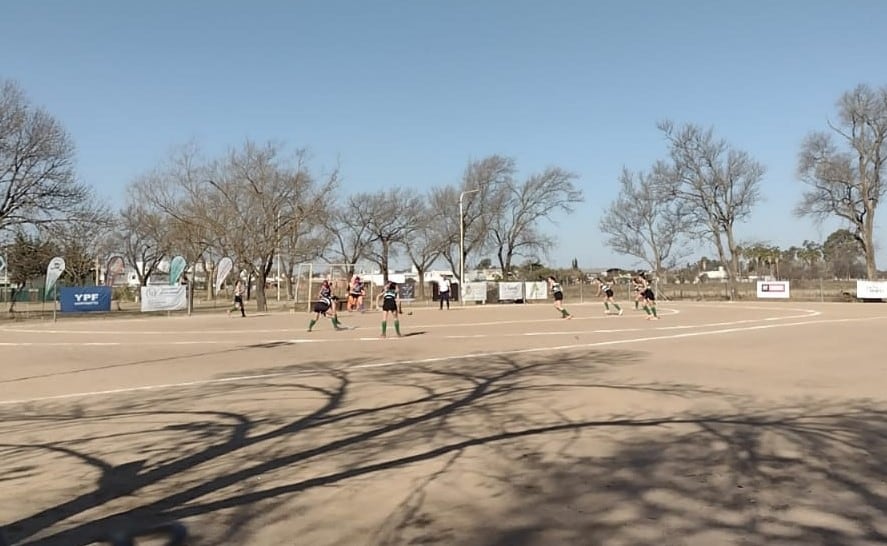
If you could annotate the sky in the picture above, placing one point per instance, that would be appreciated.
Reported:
(405, 93)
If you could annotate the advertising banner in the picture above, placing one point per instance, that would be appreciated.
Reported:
(773, 289)
(53, 271)
(511, 290)
(164, 298)
(871, 290)
(474, 291)
(176, 268)
(114, 268)
(224, 267)
(85, 299)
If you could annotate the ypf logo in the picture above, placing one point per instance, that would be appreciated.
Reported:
(88, 298)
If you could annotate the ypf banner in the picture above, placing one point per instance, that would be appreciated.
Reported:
(85, 299)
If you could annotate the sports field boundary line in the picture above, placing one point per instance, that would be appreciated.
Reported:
(431, 360)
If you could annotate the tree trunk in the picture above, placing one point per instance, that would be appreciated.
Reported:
(733, 264)
(384, 264)
(261, 301)
(420, 273)
(871, 269)
(722, 257)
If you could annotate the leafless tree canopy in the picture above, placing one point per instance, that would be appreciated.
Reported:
(390, 218)
(37, 182)
(501, 213)
(718, 184)
(251, 204)
(845, 181)
(518, 209)
(141, 238)
(645, 224)
(481, 183)
(425, 244)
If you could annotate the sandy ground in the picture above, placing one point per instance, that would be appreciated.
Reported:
(753, 423)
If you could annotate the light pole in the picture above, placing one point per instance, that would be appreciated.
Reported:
(278, 255)
(462, 247)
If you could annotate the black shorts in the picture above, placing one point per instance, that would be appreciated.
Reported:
(321, 307)
(558, 296)
(238, 299)
(609, 293)
(389, 305)
(649, 295)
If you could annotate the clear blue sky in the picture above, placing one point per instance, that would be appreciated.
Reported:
(406, 92)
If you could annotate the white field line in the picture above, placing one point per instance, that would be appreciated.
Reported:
(388, 364)
(808, 313)
(665, 311)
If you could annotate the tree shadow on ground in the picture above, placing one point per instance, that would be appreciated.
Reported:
(805, 473)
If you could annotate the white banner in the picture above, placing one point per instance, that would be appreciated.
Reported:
(511, 291)
(474, 291)
(164, 298)
(224, 267)
(774, 289)
(536, 290)
(871, 289)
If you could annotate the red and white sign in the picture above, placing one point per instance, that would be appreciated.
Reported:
(774, 289)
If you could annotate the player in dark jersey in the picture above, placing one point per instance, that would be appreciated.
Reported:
(389, 307)
(325, 305)
(606, 291)
(649, 298)
(558, 294)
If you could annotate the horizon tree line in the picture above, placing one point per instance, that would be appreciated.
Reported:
(259, 203)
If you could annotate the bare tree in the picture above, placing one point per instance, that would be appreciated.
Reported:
(265, 199)
(302, 237)
(243, 205)
(141, 238)
(390, 217)
(846, 182)
(37, 181)
(83, 240)
(644, 225)
(482, 184)
(519, 208)
(718, 184)
(425, 245)
(351, 238)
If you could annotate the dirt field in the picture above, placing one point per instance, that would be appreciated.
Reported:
(720, 424)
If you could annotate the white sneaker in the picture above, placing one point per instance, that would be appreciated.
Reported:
(620, 312)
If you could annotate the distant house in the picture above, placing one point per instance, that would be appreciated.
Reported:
(719, 274)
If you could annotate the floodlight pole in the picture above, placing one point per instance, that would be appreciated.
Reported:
(278, 255)
(462, 247)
